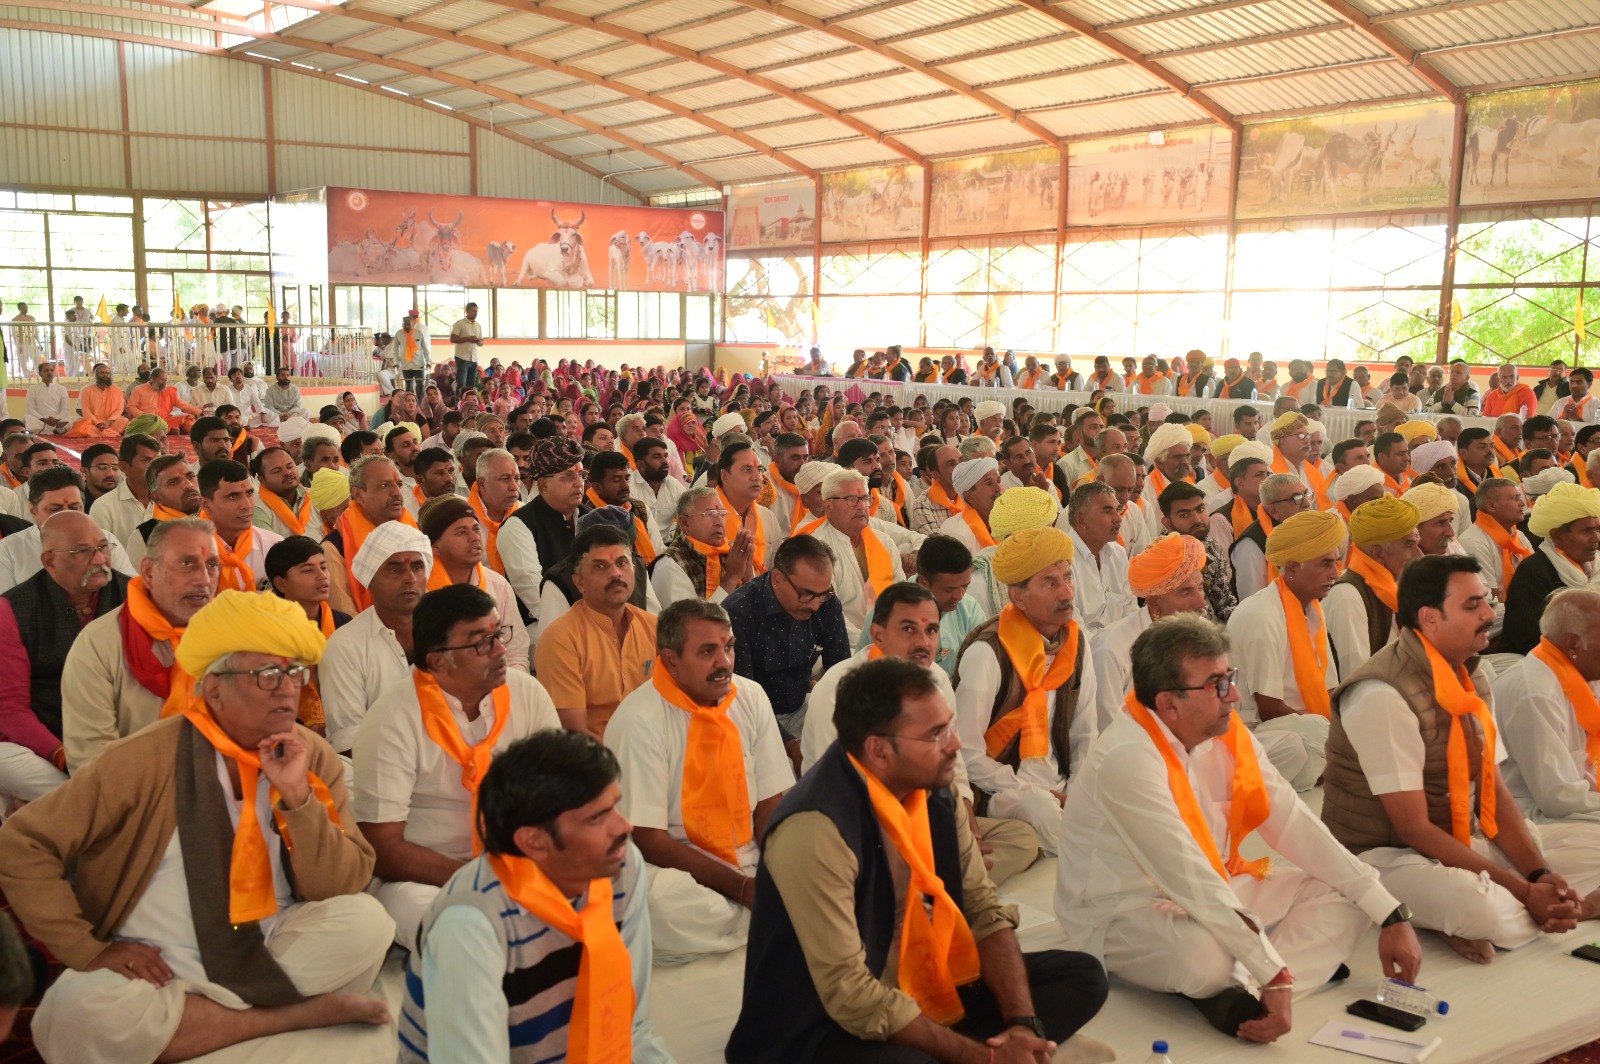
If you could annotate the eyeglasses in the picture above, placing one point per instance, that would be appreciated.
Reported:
(852, 500)
(713, 513)
(501, 635)
(271, 677)
(806, 597)
(78, 552)
(939, 738)
(1223, 685)
(1297, 498)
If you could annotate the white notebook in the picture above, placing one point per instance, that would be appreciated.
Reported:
(1384, 1043)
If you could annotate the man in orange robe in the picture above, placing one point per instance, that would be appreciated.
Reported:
(158, 399)
(101, 404)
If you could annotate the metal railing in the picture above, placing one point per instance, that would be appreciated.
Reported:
(330, 353)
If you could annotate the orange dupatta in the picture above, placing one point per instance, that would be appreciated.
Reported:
(442, 728)
(735, 525)
(1241, 517)
(354, 528)
(716, 798)
(1512, 549)
(1506, 453)
(251, 895)
(1250, 805)
(980, 531)
(601, 1028)
(167, 513)
(295, 522)
(438, 577)
(491, 530)
(1029, 379)
(1379, 579)
(1147, 385)
(937, 951)
(880, 563)
(236, 573)
(1578, 692)
(937, 494)
(1453, 690)
(1025, 647)
(713, 557)
(810, 526)
(796, 507)
(1310, 661)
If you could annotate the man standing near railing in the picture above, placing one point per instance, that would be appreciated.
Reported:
(48, 403)
(79, 338)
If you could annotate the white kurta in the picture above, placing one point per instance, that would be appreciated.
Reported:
(955, 526)
(1138, 863)
(1547, 768)
(1476, 542)
(1259, 631)
(120, 514)
(47, 401)
(1345, 612)
(663, 503)
(1112, 649)
(672, 584)
(850, 580)
(1023, 793)
(362, 659)
(1103, 595)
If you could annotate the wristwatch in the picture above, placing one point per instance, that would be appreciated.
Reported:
(1401, 915)
(1032, 1023)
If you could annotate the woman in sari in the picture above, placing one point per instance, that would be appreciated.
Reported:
(351, 410)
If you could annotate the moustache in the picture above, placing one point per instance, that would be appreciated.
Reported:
(97, 570)
(616, 583)
(721, 676)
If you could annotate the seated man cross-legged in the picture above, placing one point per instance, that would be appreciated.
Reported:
(1155, 884)
(703, 767)
(835, 972)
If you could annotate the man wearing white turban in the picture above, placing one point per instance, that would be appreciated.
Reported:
(977, 485)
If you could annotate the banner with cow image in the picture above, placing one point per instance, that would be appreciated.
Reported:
(1175, 177)
(1375, 159)
(877, 203)
(379, 237)
(779, 215)
(1532, 144)
(1013, 192)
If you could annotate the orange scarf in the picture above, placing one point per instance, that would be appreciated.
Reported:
(148, 616)
(811, 525)
(937, 951)
(601, 1028)
(325, 619)
(641, 535)
(1318, 483)
(713, 557)
(1030, 378)
(12, 480)
(1025, 647)
(1379, 579)
(1220, 476)
(949, 377)
(251, 894)
(411, 345)
(236, 572)
(796, 507)
(1298, 389)
(715, 798)
(1453, 690)
(438, 577)
(1147, 385)
(880, 563)
(937, 494)
(1398, 487)
(1186, 384)
(1578, 692)
(1310, 661)
(353, 528)
(167, 513)
(1242, 518)
(1266, 529)
(1506, 453)
(491, 529)
(927, 376)
(1580, 465)
(295, 522)
(989, 370)
(1250, 805)
(980, 531)
(1512, 549)
(442, 728)
(735, 525)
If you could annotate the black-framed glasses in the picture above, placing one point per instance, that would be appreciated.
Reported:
(501, 635)
(271, 677)
(1223, 686)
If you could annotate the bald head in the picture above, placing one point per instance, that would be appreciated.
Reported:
(65, 528)
(1110, 441)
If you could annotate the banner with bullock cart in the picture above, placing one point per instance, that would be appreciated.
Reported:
(1179, 176)
(878, 203)
(1013, 192)
(1383, 158)
(377, 237)
(781, 215)
(1532, 144)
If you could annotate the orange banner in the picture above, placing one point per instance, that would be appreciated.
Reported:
(377, 237)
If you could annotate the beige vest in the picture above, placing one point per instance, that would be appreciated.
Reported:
(1010, 694)
(1349, 808)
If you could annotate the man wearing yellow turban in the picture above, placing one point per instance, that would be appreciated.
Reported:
(1016, 509)
(1025, 688)
(1286, 665)
(1291, 445)
(222, 933)
(1566, 521)
(1439, 508)
(1361, 607)
(1167, 575)
(1219, 449)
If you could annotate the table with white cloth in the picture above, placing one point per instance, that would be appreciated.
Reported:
(1340, 421)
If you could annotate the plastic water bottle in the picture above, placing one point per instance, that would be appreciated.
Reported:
(1158, 1054)
(1408, 998)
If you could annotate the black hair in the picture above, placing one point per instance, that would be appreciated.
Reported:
(54, 479)
(1242, 412)
(91, 453)
(942, 556)
(545, 429)
(1176, 492)
(868, 700)
(218, 472)
(854, 450)
(796, 549)
(451, 417)
(1344, 447)
(128, 449)
(1384, 442)
(1424, 582)
(257, 458)
(287, 553)
(390, 432)
(439, 611)
(1539, 423)
(596, 536)
(521, 441)
(534, 780)
(1525, 462)
(606, 462)
(203, 427)
(590, 430)
(429, 457)
(1468, 437)
(355, 444)
(904, 593)
(38, 448)
(644, 445)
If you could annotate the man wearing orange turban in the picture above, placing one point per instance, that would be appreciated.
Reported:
(1168, 576)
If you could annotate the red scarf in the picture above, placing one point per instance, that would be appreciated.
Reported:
(141, 624)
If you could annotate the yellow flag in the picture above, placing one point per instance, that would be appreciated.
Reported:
(1455, 311)
(272, 319)
(1580, 326)
(101, 312)
(177, 306)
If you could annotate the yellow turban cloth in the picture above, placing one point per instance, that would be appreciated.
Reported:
(1199, 434)
(1029, 551)
(409, 426)
(1163, 566)
(1019, 508)
(1223, 446)
(1431, 500)
(1562, 505)
(1383, 520)
(1415, 430)
(329, 489)
(1306, 536)
(1288, 424)
(243, 621)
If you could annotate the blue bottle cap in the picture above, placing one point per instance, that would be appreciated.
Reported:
(1444, 1008)
(1159, 1047)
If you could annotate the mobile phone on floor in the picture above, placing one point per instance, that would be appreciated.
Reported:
(1385, 1014)
(1591, 952)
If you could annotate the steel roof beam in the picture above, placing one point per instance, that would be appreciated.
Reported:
(1385, 39)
